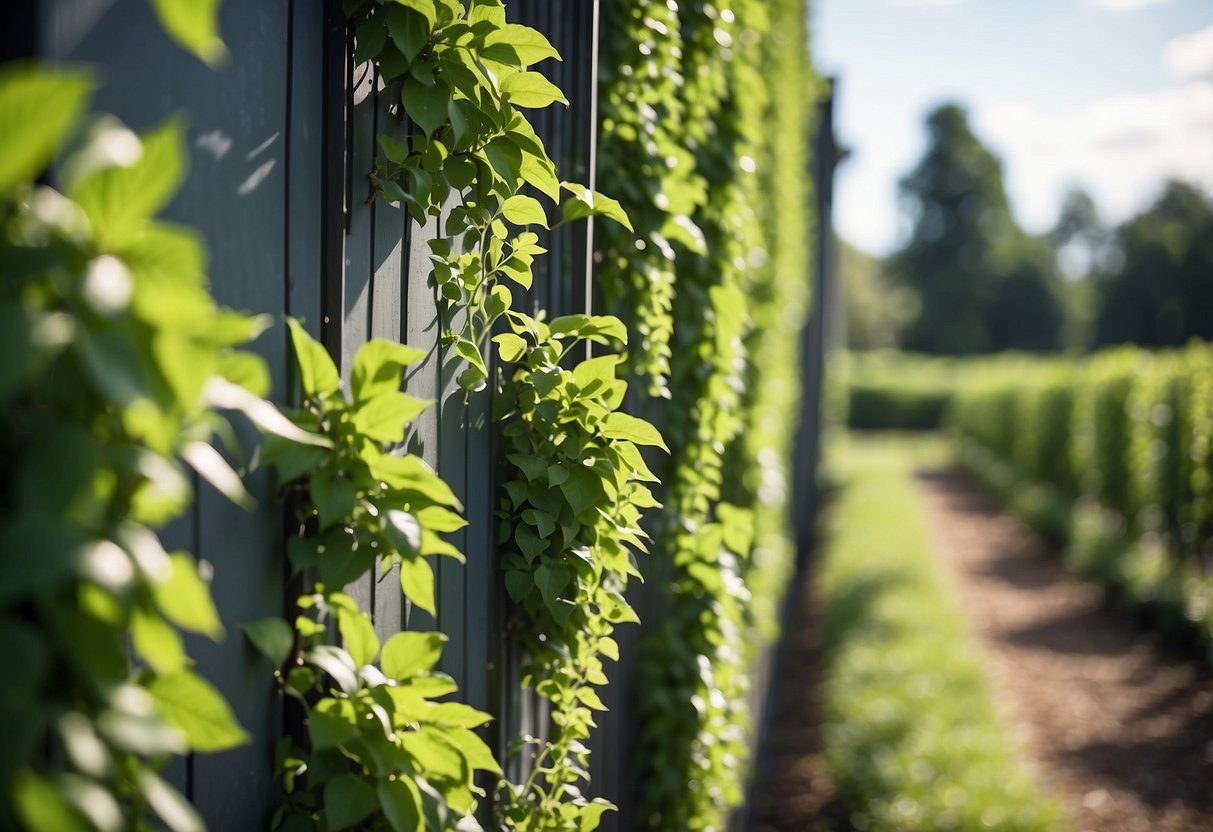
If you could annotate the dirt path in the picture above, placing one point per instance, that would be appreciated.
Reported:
(1121, 733)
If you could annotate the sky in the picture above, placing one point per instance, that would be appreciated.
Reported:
(1112, 95)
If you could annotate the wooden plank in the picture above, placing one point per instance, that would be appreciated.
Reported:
(359, 240)
(421, 330)
(387, 311)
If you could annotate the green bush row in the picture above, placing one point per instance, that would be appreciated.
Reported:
(1119, 450)
(889, 390)
(911, 737)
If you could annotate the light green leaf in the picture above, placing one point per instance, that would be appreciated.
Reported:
(385, 417)
(524, 210)
(587, 203)
(510, 347)
(530, 46)
(185, 599)
(38, 106)
(42, 806)
(332, 722)
(272, 637)
(358, 633)
(222, 394)
(531, 90)
(409, 654)
(623, 426)
(190, 704)
(541, 173)
(336, 663)
(120, 200)
(156, 641)
(594, 375)
(417, 582)
(316, 369)
(403, 532)
(377, 367)
(194, 25)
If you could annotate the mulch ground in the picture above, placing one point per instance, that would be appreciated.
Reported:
(1119, 727)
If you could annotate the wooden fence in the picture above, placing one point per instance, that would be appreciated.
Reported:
(281, 139)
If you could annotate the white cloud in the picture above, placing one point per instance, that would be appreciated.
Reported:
(1191, 56)
(1123, 5)
(1120, 149)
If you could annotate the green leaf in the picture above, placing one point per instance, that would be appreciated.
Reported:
(409, 654)
(425, 8)
(385, 417)
(347, 800)
(178, 814)
(213, 468)
(332, 722)
(377, 367)
(120, 200)
(185, 599)
(336, 663)
(591, 814)
(194, 25)
(401, 802)
(272, 637)
(518, 584)
(190, 704)
(510, 347)
(403, 532)
(524, 210)
(38, 107)
(595, 374)
(334, 498)
(411, 473)
(317, 371)
(623, 426)
(42, 806)
(358, 633)
(583, 489)
(156, 641)
(551, 581)
(417, 582)
(587, 203)
(37, 556)
(541, 173)
(528, 45)
(224, 395)
(409, 30)
(531, 90)
(426, 106)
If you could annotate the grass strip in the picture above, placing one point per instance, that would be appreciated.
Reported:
(912, 737)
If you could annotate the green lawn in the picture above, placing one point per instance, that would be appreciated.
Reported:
(912, 738)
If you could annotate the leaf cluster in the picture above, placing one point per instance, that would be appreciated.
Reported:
(381, 751)
(575, 485)
(464, 79)
(117, 360)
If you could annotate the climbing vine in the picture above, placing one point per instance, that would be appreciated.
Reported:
(116, 360)
(379, 748)
(723, 272)
(465, 81)
(570, 523)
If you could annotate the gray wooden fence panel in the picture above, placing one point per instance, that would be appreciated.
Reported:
(237, 196)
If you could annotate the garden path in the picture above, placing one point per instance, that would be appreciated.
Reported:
(1119, 728)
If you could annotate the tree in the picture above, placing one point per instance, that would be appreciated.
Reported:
(1162, 294)
(982, 283)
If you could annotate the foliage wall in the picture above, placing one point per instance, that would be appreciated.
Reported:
(122, 367)
(706, 113)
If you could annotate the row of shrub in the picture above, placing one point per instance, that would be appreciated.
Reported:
(912, 740)
(891, 390)
(1112, 455)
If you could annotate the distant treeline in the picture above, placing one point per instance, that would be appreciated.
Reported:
(969, 280)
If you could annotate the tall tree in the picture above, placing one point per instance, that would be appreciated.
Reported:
(1162, 294)
(982, 283)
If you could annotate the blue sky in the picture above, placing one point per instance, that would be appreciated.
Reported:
(1114, 95)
